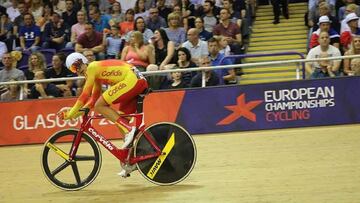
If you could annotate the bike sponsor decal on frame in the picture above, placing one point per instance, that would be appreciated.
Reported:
(101, 139)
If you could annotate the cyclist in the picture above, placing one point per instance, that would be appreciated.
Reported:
(125, 84)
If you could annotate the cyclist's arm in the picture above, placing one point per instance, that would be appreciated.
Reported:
(83, 98)
(96, 93)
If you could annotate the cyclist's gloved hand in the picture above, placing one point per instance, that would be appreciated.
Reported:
(63, 113)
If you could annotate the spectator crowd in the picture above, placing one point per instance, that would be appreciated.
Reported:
(150, 34)
(37, 35)
(335, 31)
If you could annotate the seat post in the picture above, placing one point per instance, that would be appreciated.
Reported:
(140, 100)
(140, 103)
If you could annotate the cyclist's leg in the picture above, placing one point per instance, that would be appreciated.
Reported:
(123, 92)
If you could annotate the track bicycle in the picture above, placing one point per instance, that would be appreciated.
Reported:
(164, 153)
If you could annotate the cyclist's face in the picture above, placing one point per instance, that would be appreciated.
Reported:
(81, 70)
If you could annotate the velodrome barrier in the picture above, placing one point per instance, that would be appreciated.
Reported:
(298, 103)
(205, 110)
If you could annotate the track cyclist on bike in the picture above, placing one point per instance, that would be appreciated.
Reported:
(125, 84)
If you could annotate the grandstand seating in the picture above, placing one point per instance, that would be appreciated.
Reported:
(24, 59)
(48, 53)
(289, 35)
(67, 51)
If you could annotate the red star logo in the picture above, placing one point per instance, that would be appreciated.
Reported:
(239, 110)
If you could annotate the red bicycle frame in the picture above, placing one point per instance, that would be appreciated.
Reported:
(122, 154)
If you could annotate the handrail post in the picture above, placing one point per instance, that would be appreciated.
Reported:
(203, 79)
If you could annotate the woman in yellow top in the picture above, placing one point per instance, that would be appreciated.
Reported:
(125, 82)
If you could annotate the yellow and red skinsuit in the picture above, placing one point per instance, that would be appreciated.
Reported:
(125, 85)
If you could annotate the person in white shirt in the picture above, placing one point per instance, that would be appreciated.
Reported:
(3, 49)
(197, 47)
(126, 4)
(13, 11)
(326, 68)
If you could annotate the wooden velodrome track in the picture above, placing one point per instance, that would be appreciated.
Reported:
(302, 165)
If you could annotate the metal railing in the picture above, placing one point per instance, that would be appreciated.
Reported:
(289, 53)
(161, 72)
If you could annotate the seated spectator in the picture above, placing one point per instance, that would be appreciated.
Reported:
(8, 71)
(137, 53)
(3, 49)
(43, 90)
(211, 79)
(235, 16)
(46, 16)
(346, 37)
(6, 28)
(164, 49)
(209, 17)
(59, 6)
(164, 55)
(188, 13)
(19, 21)
(238, 15)
(89, 55)
(13, 10)
(352, 8)
(230, 31)
(184, 61)
(183, 22)
(140, 10)
(36, 63)
(155, 21)
(164, 11)
(226, 76)
(29, 35)
(54, 35)
(140, 26)
(58, 70)
(91, 40)
(36, 8)
(204, 35)
(224, 45)
(174, 32)
(127, 25)
(354, 50)
(77, 29)
(176, 81)
(355, 67)
(99, 21)
(112, 42)
(127, 4)
(324, 50)
(195, 45)
(116, 14)
(342, 13)
(13, 93)
(324, 25)
(323, 10)
(70, 15)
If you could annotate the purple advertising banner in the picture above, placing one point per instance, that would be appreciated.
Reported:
(268, 106)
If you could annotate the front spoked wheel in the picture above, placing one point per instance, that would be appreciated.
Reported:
(72, 174)
(178, 153)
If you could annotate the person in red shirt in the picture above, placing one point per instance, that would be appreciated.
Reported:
(324, 25)
(346, 37)
(91, 40)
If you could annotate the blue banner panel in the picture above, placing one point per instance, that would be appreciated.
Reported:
(268, 106)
